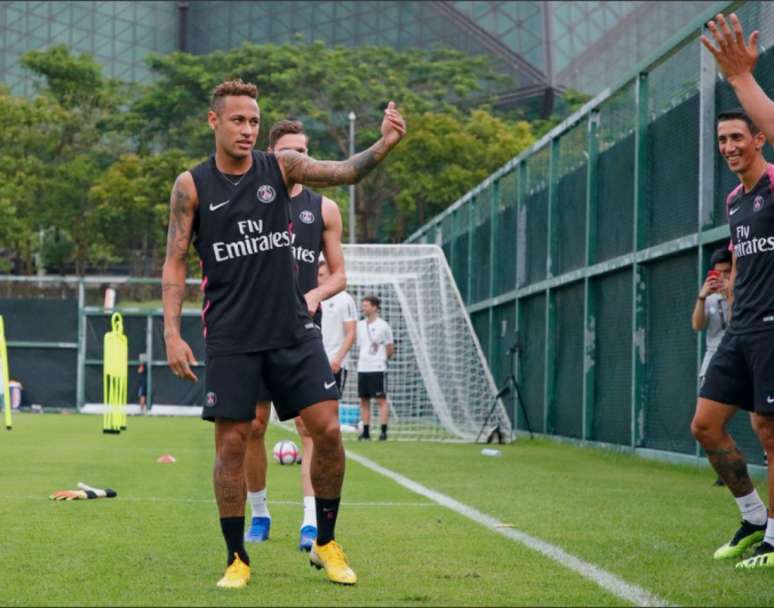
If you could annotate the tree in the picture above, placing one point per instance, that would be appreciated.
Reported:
(80, 145)
(131, 207)
(443, 157)
(31, 130)
(319, 85)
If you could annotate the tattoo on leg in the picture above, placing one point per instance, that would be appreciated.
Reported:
(327, 470)
(230, 489)
(730, 464)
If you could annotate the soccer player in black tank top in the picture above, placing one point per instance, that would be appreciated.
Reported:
(316, 226)
(740, 373)
(243, 239)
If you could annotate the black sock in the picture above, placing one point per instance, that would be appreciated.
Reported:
(233, 531)
(384, 429)
(366, 432)
(327, 511)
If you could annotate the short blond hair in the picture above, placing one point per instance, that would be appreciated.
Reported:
(231, 88)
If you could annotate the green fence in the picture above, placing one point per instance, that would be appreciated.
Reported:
(55, 328)
(590, 247)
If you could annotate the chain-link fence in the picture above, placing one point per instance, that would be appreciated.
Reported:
(588, 251)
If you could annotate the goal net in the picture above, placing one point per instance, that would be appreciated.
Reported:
(439, 385)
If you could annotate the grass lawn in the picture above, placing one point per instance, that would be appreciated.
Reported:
(159, 543)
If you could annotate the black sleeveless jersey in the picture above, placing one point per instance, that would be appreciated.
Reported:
(307, 220)
(751, 220)
(243, 236)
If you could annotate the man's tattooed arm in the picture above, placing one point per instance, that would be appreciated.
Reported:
(182, 210)
(300, 169)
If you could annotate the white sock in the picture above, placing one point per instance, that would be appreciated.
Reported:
(769, 538)
(258, 503)
(310, 512)
(752, 508)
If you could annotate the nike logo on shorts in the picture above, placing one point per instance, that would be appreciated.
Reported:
(328, 385)
(769, 400)
(219, 205)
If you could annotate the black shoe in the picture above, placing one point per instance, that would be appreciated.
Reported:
(382, 436)
(719, 482)
(363, 437)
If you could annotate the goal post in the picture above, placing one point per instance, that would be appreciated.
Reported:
(439, 384)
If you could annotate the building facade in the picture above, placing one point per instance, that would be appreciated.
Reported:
(545, 47)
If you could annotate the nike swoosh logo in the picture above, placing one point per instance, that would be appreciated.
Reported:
(732, 211)
(219, 205)
(769, 400)
(329, 385)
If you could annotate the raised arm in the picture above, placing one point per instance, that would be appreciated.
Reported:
(736, 60)
(182, 211)
(299, 169)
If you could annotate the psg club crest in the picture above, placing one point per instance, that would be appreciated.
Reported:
(758, 203)
(307, 217)
(266, 194)
(212, 399)
(374, 348)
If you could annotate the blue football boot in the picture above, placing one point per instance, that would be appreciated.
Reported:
(307, 537)
(259, 530)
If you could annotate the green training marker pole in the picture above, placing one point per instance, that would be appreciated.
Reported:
(115, 376)
(6, 390)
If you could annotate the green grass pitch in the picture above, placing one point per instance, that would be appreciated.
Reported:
(654, 525)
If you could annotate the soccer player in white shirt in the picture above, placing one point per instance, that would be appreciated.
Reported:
(339, 320)
(374, 336)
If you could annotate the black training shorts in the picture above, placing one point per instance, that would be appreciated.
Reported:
(741, 372)
(293, 378)
(371, 384)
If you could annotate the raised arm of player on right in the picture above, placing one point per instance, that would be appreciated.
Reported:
(736, 60)
(299, 169)
(182, 211)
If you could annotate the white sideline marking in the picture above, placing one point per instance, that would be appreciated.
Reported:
(608, 581)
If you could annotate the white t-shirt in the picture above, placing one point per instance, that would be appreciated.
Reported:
(336, 311)
(717, 313)
(372, 338)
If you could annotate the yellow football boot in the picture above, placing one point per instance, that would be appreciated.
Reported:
(237, 575)
(331, 557)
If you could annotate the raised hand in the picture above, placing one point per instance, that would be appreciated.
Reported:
(734, 56)
(393, 125)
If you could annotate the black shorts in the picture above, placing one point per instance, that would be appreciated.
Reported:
(371, 384)
(741, 372)
(341, 380)
(293, 378)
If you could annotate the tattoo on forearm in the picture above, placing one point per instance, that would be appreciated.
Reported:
(730, 464)
(172, 295)
(320, 173)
